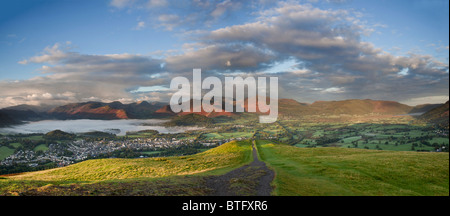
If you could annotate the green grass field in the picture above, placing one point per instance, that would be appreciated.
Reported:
(5, 152)
(395, 137)
(41, 147)
(151, 152)
(213, 136)
(16, 145)
(341, 171)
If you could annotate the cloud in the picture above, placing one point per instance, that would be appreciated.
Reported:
(38, 99)
(427, 100)
(329, 43)
(224, 7)
(51, 55)
(217, 57)
(307, 33)
(65, 62)
(69, 76)
(121, 3)
(183, 15)
(333, 90)
(342, 79)
(140, 25)
(139, 4)
(338, 1)
(170, 21)
(157, 3)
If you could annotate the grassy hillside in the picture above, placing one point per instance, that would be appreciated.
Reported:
(142, 172)
(59, 135)
(438, 115)
(341, 171)
(190, 120)
(360, 107)
(299, 172)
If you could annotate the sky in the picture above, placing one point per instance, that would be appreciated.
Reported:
(61, 51)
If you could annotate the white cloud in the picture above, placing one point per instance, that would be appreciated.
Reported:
(157, 3)
(74, 77)
(121, 3)
(301, 71)
(426, 100)
(329, 43)
(51, 55)
(140, 25)
(223, 7)
(169, 21)
(220, 57)
(334, 90)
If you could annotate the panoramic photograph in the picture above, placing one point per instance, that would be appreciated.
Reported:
(224, 98)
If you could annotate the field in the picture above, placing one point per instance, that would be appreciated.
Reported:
(5, 152)
(395, 134)
(394, 137)
(341, 171)
(41, 147)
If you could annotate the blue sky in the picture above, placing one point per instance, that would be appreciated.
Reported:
(320, 49)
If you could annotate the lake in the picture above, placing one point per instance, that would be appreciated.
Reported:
(118, 127)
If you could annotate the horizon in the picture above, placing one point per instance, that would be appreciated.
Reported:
(129, 50)
(167, 102)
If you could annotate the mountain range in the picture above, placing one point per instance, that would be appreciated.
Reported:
(98, 110)
(144, 110)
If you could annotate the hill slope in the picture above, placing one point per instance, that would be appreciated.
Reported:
(6, 120)
(59, 135)
(438, 115)
(360, 107)
(292, 108)
(191, 119)
(229, 155)
(340, 171)
(423, 108)
(167, 111)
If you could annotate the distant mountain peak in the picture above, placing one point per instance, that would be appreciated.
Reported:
(165, 110)
(142, 103)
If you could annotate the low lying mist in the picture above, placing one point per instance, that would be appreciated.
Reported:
(118, 127)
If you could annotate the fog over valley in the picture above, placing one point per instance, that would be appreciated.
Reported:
(118, 127)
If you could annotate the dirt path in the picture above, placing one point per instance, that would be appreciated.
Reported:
(249, 180)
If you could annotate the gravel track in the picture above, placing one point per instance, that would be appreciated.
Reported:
(249, 180)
